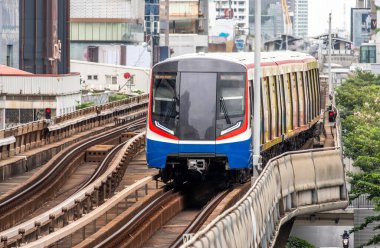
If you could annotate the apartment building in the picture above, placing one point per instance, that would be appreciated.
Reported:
(301, 19)
(234, 9)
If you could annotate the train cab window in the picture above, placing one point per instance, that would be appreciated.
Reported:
(165, 102)
(230, 102)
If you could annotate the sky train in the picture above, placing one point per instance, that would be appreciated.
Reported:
(201, 112)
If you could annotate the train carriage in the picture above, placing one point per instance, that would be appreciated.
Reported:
(200, 112)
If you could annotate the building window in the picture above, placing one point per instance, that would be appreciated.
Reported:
(10, 55)
(111, 79)
(95, 77)
(93, 53)
(89, 77)
(114, 80)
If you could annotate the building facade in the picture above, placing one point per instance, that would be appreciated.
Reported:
(101, 77)
(44, 36)
(25, 96)
(300, 20)
(9, 33)
(237, 10)
(100, 30)
(188, 26)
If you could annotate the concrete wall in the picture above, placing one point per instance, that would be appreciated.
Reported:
(40, 84)
(66, 104)
(362, 237)
(186, 43)
(111, 54)
(133, 9)
(104, 72)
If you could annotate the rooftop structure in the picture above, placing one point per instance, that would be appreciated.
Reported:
(25, 96)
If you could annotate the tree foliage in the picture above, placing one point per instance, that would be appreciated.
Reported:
(84, 105)
(358, 100)
(118, 97)
(294, 242)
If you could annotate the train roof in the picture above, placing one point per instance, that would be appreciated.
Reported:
(247, 58)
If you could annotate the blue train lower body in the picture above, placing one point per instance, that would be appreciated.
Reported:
(179, 161)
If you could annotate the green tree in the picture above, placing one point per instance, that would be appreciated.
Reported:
(358, 100)
(294, 242)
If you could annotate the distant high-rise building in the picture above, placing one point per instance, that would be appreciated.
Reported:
(363, 3)
(273, 22)
(44, 36)
(238, 10)
(300, 20)
(188, 26)
(9, 32)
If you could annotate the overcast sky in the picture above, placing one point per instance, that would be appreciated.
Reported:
(319, 15)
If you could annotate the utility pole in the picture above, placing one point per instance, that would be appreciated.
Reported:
(167, 27)
(256, 135)
(329, 52)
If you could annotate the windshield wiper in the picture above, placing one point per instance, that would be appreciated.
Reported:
(224, 109)
(170, 110)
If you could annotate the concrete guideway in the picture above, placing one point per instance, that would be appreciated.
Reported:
(292, 184)
(25, 146)
(96, 192)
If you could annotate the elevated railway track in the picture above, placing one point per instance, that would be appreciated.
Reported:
(125, 200)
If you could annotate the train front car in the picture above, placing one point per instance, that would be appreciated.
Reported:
(198, 119)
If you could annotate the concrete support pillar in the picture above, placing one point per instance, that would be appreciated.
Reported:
(38, 138)
(22, 145)
(27, 141)
(4, 152)
(12, 149)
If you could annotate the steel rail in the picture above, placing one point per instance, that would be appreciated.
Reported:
(201, 217)
(138, 218)
(103, 166)
(60, 163)
(71, 202)
(90, 217)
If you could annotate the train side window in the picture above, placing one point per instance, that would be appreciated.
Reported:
(273, 106)
(266, 108)
(301, 94)
(251, 98)
(310, 95)
(290, 100)
(316, 92)
(279, 106)
(296, 103)
(313, 96)
(318, 85)
(283, 102)
(306, 96)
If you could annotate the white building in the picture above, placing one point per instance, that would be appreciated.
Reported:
(300, 21)
(100, 77)
(240, 12)
(25, 96)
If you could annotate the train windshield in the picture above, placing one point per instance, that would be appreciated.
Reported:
(164, 105)
(197, 106)
(230, 102)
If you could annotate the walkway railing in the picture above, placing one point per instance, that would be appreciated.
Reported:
(292, 184)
